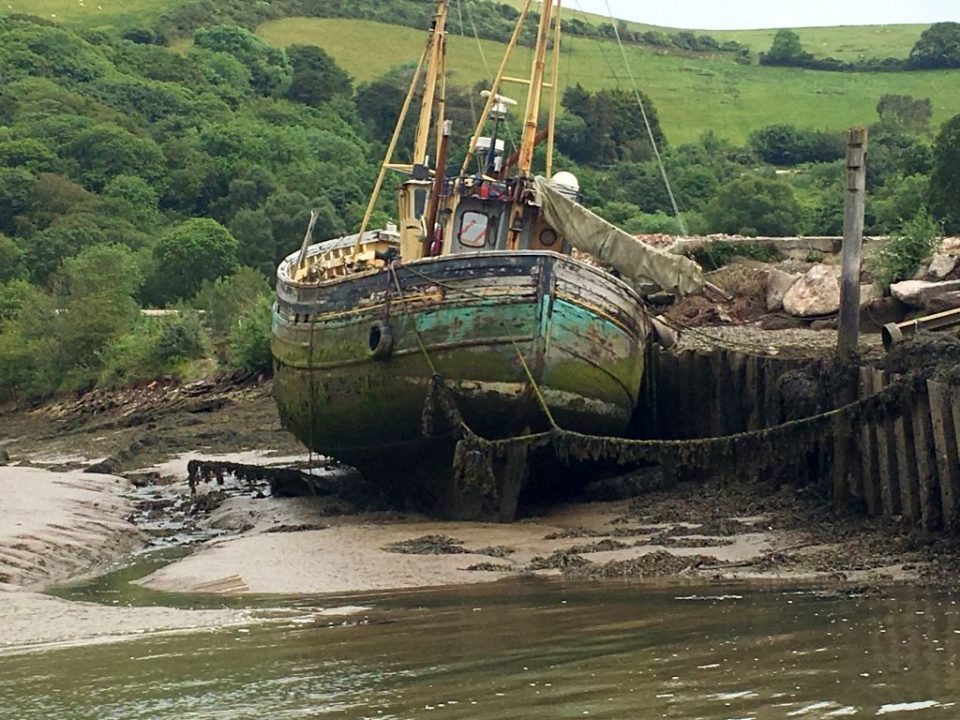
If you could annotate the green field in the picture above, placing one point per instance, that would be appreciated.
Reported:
(692, 95)
(103, 14)
(843, 42)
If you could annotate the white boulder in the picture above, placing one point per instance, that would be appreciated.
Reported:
(816, 293)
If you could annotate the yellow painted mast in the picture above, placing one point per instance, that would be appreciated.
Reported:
(414, 199)
(430, 87)
(528, 142)
(495, 89)
(554, 91)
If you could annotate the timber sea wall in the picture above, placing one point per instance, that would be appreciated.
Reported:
(893, 452)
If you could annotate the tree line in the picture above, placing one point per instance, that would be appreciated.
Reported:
(133, 177)
(938, 48)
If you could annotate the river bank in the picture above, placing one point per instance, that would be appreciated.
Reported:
(59, 521)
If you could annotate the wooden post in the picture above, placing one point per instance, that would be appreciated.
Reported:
(853, 207)
(945, 444)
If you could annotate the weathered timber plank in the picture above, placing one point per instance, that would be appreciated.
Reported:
(907, 464)
(886, 457)
(868, 450)
(771, 393)
(948, 465)
(717, 362)
(842, 450)
(931, 516)
(738, 406)
(752, 392)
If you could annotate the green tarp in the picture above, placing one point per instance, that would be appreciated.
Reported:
(635, 261)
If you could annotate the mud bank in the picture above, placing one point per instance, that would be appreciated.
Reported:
(706, 532)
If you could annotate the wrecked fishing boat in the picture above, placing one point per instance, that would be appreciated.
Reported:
(474, 296)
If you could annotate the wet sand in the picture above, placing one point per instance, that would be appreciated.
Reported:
(58, 526)
(354, 553)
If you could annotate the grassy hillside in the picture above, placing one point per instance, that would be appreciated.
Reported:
(691, 94)
(93, 13)
(844, 42)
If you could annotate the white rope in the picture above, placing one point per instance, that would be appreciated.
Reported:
(646, 122)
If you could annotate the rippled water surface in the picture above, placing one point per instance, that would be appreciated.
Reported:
(529, 650)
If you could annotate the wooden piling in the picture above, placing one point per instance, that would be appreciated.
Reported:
(886, 456)
(868, 449)
(753, 382)
(931, 516)
(842, 450)
(853, 209)
(907, 463)
(945, 443)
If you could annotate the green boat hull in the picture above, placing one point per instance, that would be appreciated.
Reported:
(355, 359)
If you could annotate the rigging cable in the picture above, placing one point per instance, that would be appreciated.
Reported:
(646, 121)
(598, 38)
(483, 57)
(463, 34)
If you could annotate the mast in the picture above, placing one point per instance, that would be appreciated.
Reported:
(536, 90)
(495, 89)
(437, 42)
(554, 92)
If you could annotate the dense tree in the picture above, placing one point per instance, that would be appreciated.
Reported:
(787, 145)
(613, 126)
(755, 206)
(892, 154)
(133, 199)
(316, 76)
(945, 179)
(938, 47)
(102, 152)
(96, 288)
(785, 50)
(28, 154)
(15, 187)
(269, 67)
(905, 114)
(10, 255)
(194, 251)
(45, 251)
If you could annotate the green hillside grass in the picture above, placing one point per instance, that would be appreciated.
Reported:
(103, 14)
(692, 94)
(847, 43)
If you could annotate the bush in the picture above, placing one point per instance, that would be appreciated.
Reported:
(226, 300)
(250, 338)
(154, 347)
(715, 256)
(901, 256)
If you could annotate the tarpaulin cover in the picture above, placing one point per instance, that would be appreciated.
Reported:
(634, 260)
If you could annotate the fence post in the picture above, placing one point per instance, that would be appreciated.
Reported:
(848, 336)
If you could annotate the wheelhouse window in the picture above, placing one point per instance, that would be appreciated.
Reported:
(473, 229)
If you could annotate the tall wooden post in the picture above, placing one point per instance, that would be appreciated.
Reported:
(856, 184)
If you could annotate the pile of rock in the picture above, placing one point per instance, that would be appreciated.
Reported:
(812, 298)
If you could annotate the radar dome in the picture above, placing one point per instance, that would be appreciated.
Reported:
(566, 180)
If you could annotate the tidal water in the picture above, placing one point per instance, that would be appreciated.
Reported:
(526, 650)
